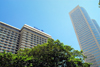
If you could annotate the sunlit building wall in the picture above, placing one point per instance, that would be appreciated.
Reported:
(12, 39)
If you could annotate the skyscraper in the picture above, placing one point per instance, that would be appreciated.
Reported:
(88, 34)
(12, 39)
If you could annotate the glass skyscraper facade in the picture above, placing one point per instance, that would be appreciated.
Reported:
(88, 34)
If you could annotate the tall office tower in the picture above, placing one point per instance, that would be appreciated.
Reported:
(88, 35)
(12, 39)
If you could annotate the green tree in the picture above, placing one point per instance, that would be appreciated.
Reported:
(55, 54)
(14, 60)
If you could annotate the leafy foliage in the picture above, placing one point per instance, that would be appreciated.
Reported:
(50, 54)
(99, 3)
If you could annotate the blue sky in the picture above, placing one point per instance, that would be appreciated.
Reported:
(48, 15)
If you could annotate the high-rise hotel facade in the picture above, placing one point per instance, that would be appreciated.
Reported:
(88, 34)
(12, 39)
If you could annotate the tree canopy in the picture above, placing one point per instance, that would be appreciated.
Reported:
(50, 54)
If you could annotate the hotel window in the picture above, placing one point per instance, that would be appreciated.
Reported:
(12, 31)
(5, 45)
(42, 39)
(37, 43)
(2, 50)
(15, 33)
(26, 38)
(1, 40)
(1, 30)
(13, 47)
(14, 42)
(6, 42)
(37, 36)
(0, 46)
(8, 48)
(31, 41)
(10, 41)
(34, 35)
(26, 41)
(7, 51)
(27, 34)
(5, 31)
(45, 40)
(3, 36)
(11, 36)
(6, 39)
(31, 38)
(8, 32)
